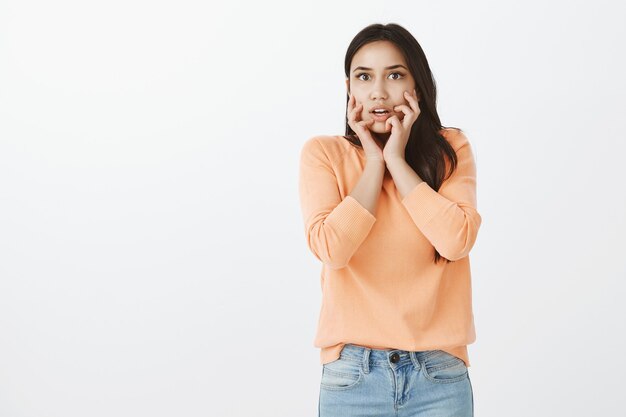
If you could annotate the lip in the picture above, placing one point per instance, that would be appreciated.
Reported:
(381, 108)
(381, 117)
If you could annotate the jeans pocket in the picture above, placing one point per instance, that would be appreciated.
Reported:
(442, 367)
(341, 374)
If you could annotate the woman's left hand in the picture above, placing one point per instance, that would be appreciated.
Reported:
(400, 130)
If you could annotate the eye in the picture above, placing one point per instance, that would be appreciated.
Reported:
(400, 75)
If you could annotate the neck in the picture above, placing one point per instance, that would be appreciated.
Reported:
(381, 138)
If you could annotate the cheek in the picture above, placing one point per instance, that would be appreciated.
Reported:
(360, 97)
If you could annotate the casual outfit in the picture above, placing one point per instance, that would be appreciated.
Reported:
(381, 289)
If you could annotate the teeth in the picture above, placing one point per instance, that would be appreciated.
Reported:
(380, 111)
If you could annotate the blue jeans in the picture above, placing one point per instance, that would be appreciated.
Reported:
(395, 383)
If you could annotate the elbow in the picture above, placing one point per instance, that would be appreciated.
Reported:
(336, 265)
(464, 241)
(456, 253)
(328, 257)
(330, 251)
(454, 256)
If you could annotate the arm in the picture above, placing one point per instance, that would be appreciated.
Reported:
(367, 189)
(448, 218)
(334, 227)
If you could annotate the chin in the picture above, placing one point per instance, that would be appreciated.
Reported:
(379, 127)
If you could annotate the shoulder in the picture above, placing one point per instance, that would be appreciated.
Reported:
(456, 138)
(330, 148)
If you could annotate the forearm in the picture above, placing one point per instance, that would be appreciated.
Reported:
(404, 177)
(367, 189)
(449, 220)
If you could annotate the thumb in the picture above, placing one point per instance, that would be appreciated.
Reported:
(390, 122)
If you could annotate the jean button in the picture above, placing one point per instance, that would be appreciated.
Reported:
(395, 357)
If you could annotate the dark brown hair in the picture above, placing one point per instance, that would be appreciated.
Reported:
(427, 149)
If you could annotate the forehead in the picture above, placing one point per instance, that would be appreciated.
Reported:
(377, 55)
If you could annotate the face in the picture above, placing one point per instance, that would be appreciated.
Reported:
(379, 76)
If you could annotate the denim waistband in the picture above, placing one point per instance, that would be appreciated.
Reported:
(384, 357)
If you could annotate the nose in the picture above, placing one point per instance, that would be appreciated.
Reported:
(378, 90)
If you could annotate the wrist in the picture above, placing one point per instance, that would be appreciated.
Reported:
(376, 162)
(395, 160)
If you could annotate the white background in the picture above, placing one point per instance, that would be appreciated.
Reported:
(152, 253)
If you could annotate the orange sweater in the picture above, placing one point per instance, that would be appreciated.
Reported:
(380, 287)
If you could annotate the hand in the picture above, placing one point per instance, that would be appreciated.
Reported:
(361, 128)
(400, 130)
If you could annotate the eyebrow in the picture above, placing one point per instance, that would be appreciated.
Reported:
(387, 68)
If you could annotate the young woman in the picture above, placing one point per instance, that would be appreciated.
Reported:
(390, 210)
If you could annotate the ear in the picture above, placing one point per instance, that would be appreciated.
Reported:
(348, 85)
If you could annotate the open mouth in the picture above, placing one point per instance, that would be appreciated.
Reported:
(380, 115)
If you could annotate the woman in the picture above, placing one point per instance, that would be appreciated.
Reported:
(390, 210)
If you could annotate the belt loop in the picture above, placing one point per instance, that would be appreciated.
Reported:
(366, 360)
(415, 360)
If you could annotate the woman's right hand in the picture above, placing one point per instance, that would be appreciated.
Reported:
(373, 152)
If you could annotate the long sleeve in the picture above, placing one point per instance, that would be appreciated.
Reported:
(334, 227)
(448, 218)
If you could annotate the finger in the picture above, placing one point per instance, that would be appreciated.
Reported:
(409, 118)
(412, 99)
(392, 121)
(351, 120)
(356, 111)
(409, 115)
(388, 123)
(353, 109)
(365, 123)
(363, 128)
(404, 108)
(407, 122)
(353, 113)
(349, 107)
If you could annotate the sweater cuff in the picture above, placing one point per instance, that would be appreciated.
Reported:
(423, 203)
(350, 217)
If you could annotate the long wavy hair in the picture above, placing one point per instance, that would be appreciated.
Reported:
(427, 149)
